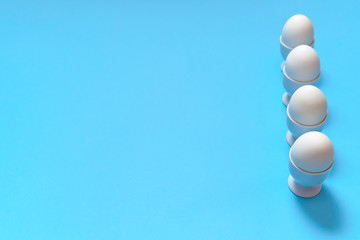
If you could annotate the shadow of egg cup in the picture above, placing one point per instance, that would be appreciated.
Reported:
(323, 210)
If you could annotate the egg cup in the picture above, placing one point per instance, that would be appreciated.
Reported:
(291, 85)
(296, 129)
(303, 183)
(285, 50)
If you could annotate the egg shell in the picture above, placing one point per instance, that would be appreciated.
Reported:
(298, 30)
(308, 106)
(312, 152)
(302, 64)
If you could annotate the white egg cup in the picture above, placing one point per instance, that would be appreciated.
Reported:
(303, 183)
(291, 85)
(285, 50)
(297, 129)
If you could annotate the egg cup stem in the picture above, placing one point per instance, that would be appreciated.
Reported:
(290, 138)
(303, 191)
(282, 66)
(286, 98)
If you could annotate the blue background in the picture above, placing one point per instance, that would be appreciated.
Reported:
(163, 120)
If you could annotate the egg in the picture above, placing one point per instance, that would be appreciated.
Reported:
(298, 30)
(308, 106)
(312, 152)
(302, 64)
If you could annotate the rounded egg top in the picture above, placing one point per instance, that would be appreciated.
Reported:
(302, 64)
(308, 105)
(312, 152)
(297, 30)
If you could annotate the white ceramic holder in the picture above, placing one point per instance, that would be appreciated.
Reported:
(302, 67)
(303, 191)
(307, 183)
(297, 129)
(306, 112)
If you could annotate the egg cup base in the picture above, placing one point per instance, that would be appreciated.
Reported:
(286, 98)
(290, 138)
(303, 191)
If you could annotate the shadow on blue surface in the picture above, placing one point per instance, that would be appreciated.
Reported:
(323, 210)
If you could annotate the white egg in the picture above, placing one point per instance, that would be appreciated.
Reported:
(312, 152)
(302, 64)
(297, 30)
(308, 105)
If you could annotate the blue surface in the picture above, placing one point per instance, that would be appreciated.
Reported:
(163, 120)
